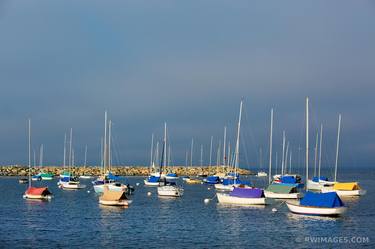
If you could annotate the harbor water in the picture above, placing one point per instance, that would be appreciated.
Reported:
(74, 219)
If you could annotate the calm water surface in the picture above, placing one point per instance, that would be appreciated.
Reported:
(74, 219)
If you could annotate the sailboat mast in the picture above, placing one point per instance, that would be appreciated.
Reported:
(152, 150)
(238, 142)
(307, 139)
(211, 151)
(105, 143)
(228, 156)
(224, 145)
(64, 160)
(29, 128)
(165, 145)
(286, 158)
(191, 152)
(157, 152)
(283, 159)
(320, 149)
(218, 156)
(337, 146)
(109, 145)
(201, 155)
(70, 147)
(315, 153)
(85, 155)
(41, 156)
(270, 158)
(101, 155)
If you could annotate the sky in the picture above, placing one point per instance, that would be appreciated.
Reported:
(187, 63)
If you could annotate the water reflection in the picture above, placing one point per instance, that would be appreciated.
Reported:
(234, 206)
(299, 217)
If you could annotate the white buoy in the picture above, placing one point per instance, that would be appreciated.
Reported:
(148, 193)
(206, 200)
(208, 188)
(274, 210)
(137, 184)
(88, 191)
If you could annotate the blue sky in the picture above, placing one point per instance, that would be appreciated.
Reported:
(187, 63)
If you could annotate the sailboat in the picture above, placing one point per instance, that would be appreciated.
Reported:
(280, 190)
(318, 181)
(42, 175)
(212, 179)
(113, 198)
(71, 182)
(241, 194)
(84, 166)
(322, 204)
(107, 179)
(64, 172)
(232, 179)
(342, 188)
(39, 193)
(284, 177)
(167, 188)
(261, 173)
(154, 179)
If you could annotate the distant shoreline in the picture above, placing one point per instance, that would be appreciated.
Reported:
(19, 170)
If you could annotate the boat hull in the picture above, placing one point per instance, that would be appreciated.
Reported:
(66, 185)
(172, 178)
(227, 199)
(172, 191)
(115, 203)
(306, 210)
(47, 178)
(262, 174)
(147, 183)
(37, 197)
(273, 195)
(318, 186)
(343, 193)
(193, 181)
(85, 177)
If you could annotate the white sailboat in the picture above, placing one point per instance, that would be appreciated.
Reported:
(279, 190)
(241, 194)
(261, 173)
(84, 165)
(318, 182)
(169, 188)
(323, 204)
(155, 177)
(107, 179)
(71, 182)
(233, 181)
(342, 188)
